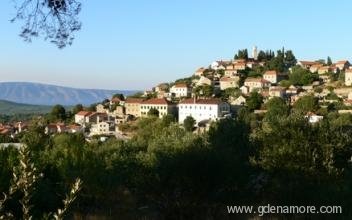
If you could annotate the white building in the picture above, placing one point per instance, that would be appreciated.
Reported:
(101, 128)
(101, 108)
(229, 82)
(313, 118)
(237, 103)
(204, 81)
(256, 83)
(270, 76)
(81, 117)
(181, 90)
(202, 109)
(348, 77)
(277, 91)
(199, 72)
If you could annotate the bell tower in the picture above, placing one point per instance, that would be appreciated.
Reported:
(255, 53)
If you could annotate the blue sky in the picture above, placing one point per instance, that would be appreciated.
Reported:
(136, 44)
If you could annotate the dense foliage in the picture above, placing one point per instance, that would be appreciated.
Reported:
(166, 172)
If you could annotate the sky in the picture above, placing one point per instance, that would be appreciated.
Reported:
(137, 44)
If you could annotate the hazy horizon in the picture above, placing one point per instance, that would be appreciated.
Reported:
(136, 45)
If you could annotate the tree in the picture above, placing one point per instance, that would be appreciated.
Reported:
(55, 20)
(231, 92)
(328, 61)
(277, 63)
(204, 90)
(318, 90)
(301, 76)
(189, 123)
(119, 96)
(300, 157)
(290, 59)
(92, 108)
(168, 119)
(136, 95)
(77, 108)
(242, 54)
(254, 101)
(25, 178)
(285, 83)
(153, 112)
(262, 56)
(58, 113)
(306, 104)
(276, 107)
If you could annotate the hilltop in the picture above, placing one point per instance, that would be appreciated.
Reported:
(12, 108)
(43, 94)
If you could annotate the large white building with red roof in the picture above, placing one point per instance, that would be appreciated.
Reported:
(202, 109)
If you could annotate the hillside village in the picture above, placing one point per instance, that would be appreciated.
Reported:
(216, 91)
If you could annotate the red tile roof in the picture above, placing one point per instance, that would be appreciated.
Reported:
(201, 101)
(156, 101)
(308, 62)
(200, 70)
(342, 62)
(84, 113)
(228, 79)
(134, 100)
(116, 100)
(251, 79)
(270, 72)
(181, 85)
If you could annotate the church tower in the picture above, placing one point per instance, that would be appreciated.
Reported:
(255, 53)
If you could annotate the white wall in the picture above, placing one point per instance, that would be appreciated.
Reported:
(201, 112)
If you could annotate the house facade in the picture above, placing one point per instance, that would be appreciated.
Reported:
(270, 76)
(81, 117)
(181, 90)
(276, 91)
(101, 108)
(307, 64)
(229, 82)
(202, 109)
(162, 105)
(133, 106)
(101, 128)
(199, 72)
(204, 81)
(348, 77)
(343, 64)
(256, 83)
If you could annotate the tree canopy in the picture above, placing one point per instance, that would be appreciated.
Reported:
(254, 101)
(189, 123)
(53, 20)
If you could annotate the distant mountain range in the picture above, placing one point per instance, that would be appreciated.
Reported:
(11, 108)
(43, 94)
